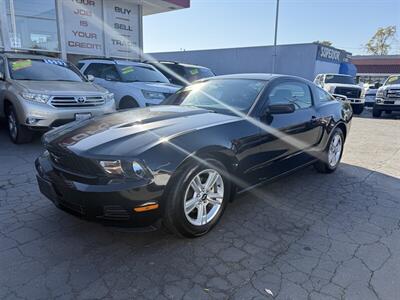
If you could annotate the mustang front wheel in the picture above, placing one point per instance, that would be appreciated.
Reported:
(197, 198)
(332, 155)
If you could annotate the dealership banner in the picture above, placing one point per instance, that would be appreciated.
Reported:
(122, 30)
(83, 25)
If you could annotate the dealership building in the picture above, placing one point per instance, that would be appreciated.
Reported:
(72, 29)
(304, 60)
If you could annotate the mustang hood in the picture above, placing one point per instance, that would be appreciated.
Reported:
(128, 133)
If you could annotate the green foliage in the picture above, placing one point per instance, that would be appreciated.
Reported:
(380, 43)
(325, 43)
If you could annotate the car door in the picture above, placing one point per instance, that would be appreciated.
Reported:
(286, 139)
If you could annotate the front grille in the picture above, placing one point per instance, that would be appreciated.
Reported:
(115, 212)
(393, 93)
(70, 162)
(78, 101)
(348, 92)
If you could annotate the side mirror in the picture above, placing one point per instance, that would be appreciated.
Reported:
(284, 108)
(377, 85)
(2, 77)
(340, 97)
(90, 78)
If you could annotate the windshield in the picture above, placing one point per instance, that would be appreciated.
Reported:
(393, 80)
(43, 70)
(339, 79)
(196, 73)
(130, 73)
(222, 95)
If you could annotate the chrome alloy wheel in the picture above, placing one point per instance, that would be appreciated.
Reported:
(203, 197)
(12, 125)
(335, 150)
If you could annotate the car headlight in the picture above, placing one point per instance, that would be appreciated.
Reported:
(153, 95)
(380, 93)
(109, 97)
(36, 97)
(124, 168)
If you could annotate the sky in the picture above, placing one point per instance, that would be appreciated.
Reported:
(211, 24)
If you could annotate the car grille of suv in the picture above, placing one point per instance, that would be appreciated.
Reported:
(69, 162)
(393, 94)
(79, 101)
(348, 92)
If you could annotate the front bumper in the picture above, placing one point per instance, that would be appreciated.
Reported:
(113, 203)
(391, 107)
(48, 116)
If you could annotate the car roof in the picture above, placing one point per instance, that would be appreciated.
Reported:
(27, 56)
(115, 61)
(336, 74)
(254, 76)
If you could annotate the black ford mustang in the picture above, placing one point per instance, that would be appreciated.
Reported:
(183, 161)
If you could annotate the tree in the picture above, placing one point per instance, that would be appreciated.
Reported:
(381, 42)
(325, 43)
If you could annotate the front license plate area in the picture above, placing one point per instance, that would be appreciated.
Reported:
(82, 116)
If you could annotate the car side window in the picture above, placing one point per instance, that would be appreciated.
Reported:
(297, 93)
(94, 70)
(177, 70)
(323, 95)
(104, 71)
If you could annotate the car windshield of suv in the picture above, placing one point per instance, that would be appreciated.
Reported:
(222, 95)
(393, 80)
(131, 73)
(339, 79)
(43, 70)
(196, 73)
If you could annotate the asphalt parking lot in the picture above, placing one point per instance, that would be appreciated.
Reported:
(307, 236)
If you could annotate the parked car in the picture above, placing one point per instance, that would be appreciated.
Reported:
(184, 161)
(387, 97)
(186, 72)
(39, 93)
(343, 85)
(134, 84)
(370, 95)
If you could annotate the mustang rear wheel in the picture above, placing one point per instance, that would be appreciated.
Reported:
(197, 199)
(333, 153)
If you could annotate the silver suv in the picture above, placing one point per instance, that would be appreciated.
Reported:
(39, 93)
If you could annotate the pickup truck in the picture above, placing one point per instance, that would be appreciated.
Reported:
(345, 85)
(387, 97)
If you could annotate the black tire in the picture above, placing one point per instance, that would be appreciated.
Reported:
(128, 102)
(323, 165)
(358, 109)
(376, 113)
(175, 218)
(18, 133)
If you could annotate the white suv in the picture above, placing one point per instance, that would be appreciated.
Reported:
(134, 84)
